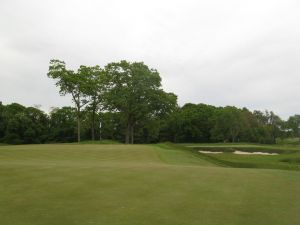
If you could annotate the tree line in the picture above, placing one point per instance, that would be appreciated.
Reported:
(128, 101)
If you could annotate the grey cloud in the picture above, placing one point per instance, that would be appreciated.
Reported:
(242, 53)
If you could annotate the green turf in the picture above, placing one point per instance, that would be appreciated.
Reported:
(138, 185)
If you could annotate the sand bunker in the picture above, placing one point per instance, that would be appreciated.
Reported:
(240, 153)
(210, 152)
(253, 153)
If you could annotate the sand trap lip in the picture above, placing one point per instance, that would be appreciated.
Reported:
(254, 153)
(210, 152)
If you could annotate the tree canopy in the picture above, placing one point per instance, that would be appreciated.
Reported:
(129, 101)
(134, 90)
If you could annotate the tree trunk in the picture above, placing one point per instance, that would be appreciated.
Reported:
(127, 136)
(78, 125)
(78, 106)
(132, 133)
(93, 125)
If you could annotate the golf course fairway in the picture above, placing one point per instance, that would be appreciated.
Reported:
(115, 184)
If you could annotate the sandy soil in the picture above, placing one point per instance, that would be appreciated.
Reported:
(210, 152)
(253, 153)
(240, 153)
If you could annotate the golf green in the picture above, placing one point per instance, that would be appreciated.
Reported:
(98, 184)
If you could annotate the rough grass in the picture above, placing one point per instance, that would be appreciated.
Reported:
(138, 185)
(104, 141)
(289, 141)
(245, 145)
(288, 158)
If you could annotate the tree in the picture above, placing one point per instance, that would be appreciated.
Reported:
(275, 125)
(24, 125)
(94, 91)
(269, 126)
(190, 123)
(228, 124)
(62, 124)
(2, 121)
(70, 82)
(134, 90)
(37, 126)
(294, 124)
(13, 115)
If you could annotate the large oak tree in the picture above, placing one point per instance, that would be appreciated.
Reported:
(135, 91)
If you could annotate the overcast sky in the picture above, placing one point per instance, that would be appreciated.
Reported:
(234, 52)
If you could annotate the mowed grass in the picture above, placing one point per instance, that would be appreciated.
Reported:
(118, 184)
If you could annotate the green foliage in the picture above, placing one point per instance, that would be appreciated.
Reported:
(69, 82)
(95, 89)
(2, 121)
(205, 123)
(128, 100)
(191, 123)
(62, 125)
(73, 83)
(228, 124)
(293, 123)
(23, 125)
(134, 90)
